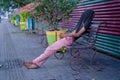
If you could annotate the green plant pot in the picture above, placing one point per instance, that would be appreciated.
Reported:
(23, 26)
(15, 23)
(53, 36)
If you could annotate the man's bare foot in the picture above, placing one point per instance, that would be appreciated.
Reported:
(30, 65)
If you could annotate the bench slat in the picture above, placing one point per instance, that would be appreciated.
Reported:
(109, 32)
(108, 45)
(109, 36)
(110, 29)
(109, 52)
(108, 41)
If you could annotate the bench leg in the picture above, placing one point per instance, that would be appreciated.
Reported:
(77, 62)
(80, 62)
(59, 55)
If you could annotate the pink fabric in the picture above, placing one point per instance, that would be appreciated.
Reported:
(50, 50)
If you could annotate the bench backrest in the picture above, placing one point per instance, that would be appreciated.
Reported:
(106, 12)
(89, 37)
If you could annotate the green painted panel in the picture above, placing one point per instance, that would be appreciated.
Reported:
(109, 52)
(108, 38)
(105, 47)
(87, 2)
(108, 42)
(101, 44)
(107, 35)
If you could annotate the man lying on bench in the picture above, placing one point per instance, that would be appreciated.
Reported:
(66, 40)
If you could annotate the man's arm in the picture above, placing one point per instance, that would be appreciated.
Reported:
(73, 33)
(67, 34)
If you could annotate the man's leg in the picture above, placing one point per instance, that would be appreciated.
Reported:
(52, 49)
(37, 62)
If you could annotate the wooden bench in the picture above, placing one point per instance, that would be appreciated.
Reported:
(85, 43)
(108, 36)
(107, 13)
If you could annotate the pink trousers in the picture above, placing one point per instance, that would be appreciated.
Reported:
(50, 50)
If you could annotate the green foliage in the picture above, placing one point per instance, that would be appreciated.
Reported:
(24, 15)
(7, 5)
(17, 16)
(55, 11)
(23, 2)
(13, 17)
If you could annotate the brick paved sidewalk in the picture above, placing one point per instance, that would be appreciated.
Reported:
(18, 46)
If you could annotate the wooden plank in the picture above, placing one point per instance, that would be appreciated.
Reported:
(101, 4)
(108, 41)
(116, 29)
(108, 16)
(107, 12)
(108, 49)
(92, 2)
(109, 32)
(108, 52)
(109, 36)
(110, 22)
(108, 45)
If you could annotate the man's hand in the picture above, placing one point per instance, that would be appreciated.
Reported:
(62, 35)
